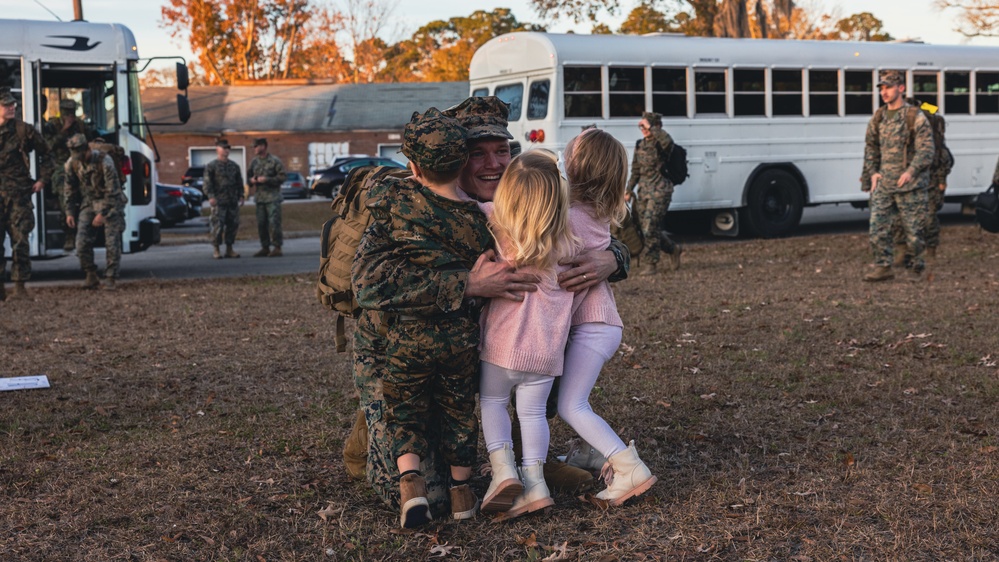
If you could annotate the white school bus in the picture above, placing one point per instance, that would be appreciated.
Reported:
(770, 126)
(97, 66)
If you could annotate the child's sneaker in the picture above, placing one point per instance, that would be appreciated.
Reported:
(413, 497)
(464, 504)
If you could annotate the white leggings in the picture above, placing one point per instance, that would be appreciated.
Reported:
(590, 346)
(532, 394)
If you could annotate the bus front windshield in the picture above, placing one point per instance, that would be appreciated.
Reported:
(93, 91)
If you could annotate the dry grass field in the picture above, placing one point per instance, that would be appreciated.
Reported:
(791, 412)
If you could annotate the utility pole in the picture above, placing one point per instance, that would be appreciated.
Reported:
(77, 10)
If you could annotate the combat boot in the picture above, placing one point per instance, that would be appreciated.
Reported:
(647, 269)
(109, 284)
(901, 259)
(880, 273)
(229, 252)
(355, 448)
(262, 252)
(91, 282)
(20, 291)
(276, 252)
(69, 245)
(216, 253)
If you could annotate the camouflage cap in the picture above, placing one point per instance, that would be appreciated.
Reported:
(223, 143)
(7, 98)
(891, 78)
(67, 105)
(259, 142)
(484, 117)
(435, 142)
(77, 141)
(654, 119)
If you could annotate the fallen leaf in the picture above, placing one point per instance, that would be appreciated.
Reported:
(922, 488)
(560, 552)
(530, 540)
(210, 399)
(848, 460)
(664, 404)
(441, 550)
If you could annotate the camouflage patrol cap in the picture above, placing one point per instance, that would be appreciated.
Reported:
(223, 143)
(891, 78)
(484, 117)
(7, 98)
(67, 105)
(435, 142)
(77, 142)
(654, 119)
(259, 142)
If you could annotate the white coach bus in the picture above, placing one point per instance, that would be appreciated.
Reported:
(97, 66)
(770, 126)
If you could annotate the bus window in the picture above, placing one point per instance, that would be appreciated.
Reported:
(749, 92)
(135, 120)
(858, 86)
(823, 92)
(512, 95)
(581, 85)
(924, 87)
(709, 92)
(537, 99)
(10, 75)
(627, 91)
(957, 93)
(986, 92)
(669, 91)
(787, 92)
(480, 92)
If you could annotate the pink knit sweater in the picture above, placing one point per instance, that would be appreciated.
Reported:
(597, 303)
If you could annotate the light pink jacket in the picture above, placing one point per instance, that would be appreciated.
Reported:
(597, 303)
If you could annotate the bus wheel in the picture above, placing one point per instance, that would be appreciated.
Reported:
(774, 205)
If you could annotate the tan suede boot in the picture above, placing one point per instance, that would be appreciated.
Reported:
(880, 273)
(900, 257)
(229, 252)
(262, 252)
(92, 281)
(276, 252)
(355, 448)
(20, 291)
(109, 284)
(216, 254)
(464, 504)
(415, 510)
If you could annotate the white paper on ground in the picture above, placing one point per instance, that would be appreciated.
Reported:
(24, 383)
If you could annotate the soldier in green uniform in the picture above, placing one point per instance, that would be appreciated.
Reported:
(266, 174)
(58, 131)
(409, 275)
(897, 156)
(94, 194)
(655, 192)
(17, 217)
(224, 189)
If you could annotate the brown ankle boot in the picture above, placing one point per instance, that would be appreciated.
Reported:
(879, 273)
(276, 252)
(355, 448)
(464, 504)
(565, 479)
(229, 252)
(216, 254)
(262, 253)
(92, 282)
(415, 510)
(109, 284)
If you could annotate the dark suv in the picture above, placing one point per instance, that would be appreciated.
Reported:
(327, 181)
(194, 177)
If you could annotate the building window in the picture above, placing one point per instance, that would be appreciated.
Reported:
(823, 92)
(749, 92)
(582, 91)
(987, 92)
(537, 99)
(669, 91)
(513, 96)
(626, 86)
(957, 93)
(787, 92)
(709, 92)
(858, 87)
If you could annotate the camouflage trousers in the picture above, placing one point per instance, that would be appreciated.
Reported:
(59, 192)
(932, 228)
(370, 367)
(269, 223)
(909, 208)
(651, 208)
(86, 237)
(224, 222)
(17, 219)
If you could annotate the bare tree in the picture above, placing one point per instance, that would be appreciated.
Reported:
(976, 18)
(364, 20)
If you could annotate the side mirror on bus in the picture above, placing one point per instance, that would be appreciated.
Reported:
(183, 81)
(183, 108)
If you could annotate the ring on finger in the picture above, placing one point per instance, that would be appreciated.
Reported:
(584, 277)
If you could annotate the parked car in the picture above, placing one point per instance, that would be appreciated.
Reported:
(194, 198)
(194, 177)
(171, 207)
(294, 187)
(327, 182)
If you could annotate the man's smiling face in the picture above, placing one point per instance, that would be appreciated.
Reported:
(487, 160)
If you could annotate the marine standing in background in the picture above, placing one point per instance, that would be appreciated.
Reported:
(898, 153)
(266, 175)
(94, 200)
(224, 189)
(655, 191)
(58, 131)
(17, 218)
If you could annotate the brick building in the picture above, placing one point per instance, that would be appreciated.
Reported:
(306, 125)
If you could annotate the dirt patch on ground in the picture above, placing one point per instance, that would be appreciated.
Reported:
(791, 412)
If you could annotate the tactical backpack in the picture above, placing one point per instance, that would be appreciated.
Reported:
(630, 233)
(987, 209)
(339, 240)
(672, 166)
(116, 153)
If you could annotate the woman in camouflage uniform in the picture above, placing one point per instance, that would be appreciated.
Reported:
(655, 191)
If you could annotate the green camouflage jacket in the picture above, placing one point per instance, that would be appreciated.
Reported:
(271, 168)
(416, 256)
(57, 137)
(17, 140)
(223, 182)
(93, 184)
(891, 151)
(647, 162)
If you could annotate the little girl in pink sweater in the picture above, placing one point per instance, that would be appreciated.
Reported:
(596, 165)
(523, 342)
